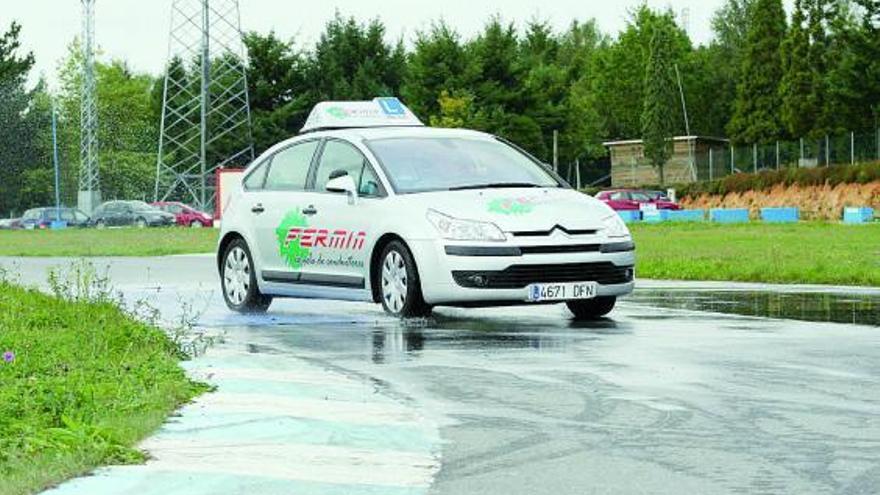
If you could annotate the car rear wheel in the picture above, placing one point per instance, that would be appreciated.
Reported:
(196, 224)
(591, 309)
(100, 224)
(400, 288)
(140, 223)
(239, 281)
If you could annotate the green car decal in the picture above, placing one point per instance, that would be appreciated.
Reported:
(291, 250)
(337, 112)
(512, 206)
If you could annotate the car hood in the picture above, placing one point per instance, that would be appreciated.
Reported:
(519, 209)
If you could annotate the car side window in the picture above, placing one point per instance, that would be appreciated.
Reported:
(618, 196)
(340, 158)
(257, 178)
(289, 168)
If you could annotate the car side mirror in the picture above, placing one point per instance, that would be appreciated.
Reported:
(344, 184)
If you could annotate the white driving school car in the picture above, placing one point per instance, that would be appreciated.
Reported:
(369, 204)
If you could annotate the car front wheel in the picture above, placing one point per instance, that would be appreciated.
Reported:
(400, 288)
(239, 281)
(591, 309)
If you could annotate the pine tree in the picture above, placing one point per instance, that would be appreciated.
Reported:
(817, 56)
(658, 125)
(797, 86)
(758, 103)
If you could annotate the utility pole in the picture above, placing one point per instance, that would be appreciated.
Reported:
(55, 163)
(209, 128)
(89, 194)
(684, 110)
(556, 151)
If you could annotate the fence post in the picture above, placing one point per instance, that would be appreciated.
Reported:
(827, 150)
(777, 155)
(733, 168)
(802, 153)
(711, 175)
(755, 156)
(852, 148)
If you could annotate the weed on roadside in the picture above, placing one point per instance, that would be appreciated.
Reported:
(84, 377)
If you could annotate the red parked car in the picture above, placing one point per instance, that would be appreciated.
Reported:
(633, 199)
(186, 216)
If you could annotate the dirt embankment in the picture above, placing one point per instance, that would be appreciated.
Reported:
(815, 202)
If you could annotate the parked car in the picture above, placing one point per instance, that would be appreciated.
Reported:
(633, 199)
(185, 215)
(130, 213)
(10, 223)
(368, 204)
(42, 218)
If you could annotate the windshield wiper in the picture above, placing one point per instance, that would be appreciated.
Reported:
(495, 185)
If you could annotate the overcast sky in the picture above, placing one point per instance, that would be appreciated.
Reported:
(137, 30)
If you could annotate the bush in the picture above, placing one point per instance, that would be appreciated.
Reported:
(738, 183)
(82, 383)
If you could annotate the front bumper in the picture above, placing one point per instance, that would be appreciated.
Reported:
(449, 279)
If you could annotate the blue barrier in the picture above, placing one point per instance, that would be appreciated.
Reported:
(687, 215)
(780, 215)
(731, 215)
(655, 216)
(58, 225)
(858, 215)
(630, 216)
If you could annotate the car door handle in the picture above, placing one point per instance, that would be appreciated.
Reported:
(258, 208)
(310, 210)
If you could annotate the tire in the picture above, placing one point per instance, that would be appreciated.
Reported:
(100, 225)
(140, 223)
(399, 286)
(238, 280)
(591, 309)
(196, 224)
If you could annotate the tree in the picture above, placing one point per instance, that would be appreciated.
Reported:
(128, 132)
(352, 61)
(854, 75)
(758, 103)
(799, 105)
(280, 94)
(438, 64)
(658, 127)
(23, 120)
(620, 71)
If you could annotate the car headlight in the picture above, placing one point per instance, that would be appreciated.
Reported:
(456, 229)
(614, 226)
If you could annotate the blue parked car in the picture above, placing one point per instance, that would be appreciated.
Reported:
(42, 218)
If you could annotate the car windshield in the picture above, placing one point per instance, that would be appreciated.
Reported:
(141, 206)
(448, 163)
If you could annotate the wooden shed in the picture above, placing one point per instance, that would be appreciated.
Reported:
(629, 168)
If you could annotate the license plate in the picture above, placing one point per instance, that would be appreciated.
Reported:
(561, 291)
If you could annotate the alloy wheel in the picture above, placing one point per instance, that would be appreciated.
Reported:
(394, 281)
(237, 276)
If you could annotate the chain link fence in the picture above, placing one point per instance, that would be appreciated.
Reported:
(717, 160)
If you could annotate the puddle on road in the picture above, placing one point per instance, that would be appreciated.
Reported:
(821, 307)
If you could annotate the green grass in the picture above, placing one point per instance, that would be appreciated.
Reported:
(87, 383)
(816, 253)
(107, 242)
(811, 253)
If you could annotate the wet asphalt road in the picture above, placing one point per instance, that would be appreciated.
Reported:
(522, 400)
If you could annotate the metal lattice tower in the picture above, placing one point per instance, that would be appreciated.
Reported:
(89, 195)
(206, 121)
